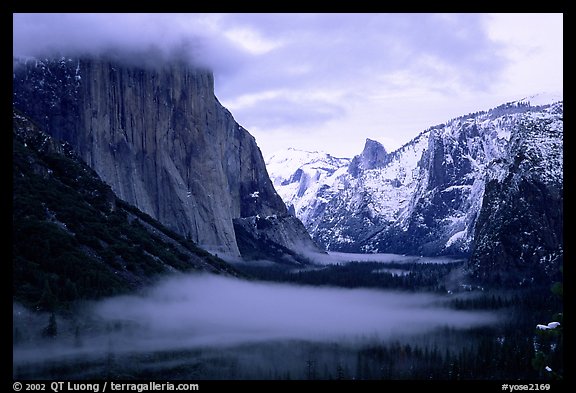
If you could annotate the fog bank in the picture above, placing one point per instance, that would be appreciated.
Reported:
(192, 311)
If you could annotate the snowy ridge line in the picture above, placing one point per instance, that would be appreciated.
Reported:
(426, 194)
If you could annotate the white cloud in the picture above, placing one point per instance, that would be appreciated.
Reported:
(251, 40)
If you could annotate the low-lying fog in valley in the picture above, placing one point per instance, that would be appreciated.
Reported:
(205, 310)
(219, 314)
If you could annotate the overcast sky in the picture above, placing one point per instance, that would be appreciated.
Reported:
(329, 81)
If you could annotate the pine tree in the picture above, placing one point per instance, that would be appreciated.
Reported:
(51, 330)
(47, 300)
(310, 369)
(77, 337)
(339, 372)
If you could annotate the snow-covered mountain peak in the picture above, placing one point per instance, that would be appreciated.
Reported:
(283, 164)
(373, 156)
(425, 196)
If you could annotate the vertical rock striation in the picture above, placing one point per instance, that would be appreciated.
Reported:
(159, 137)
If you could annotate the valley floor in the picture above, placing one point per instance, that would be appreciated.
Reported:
(351, 320)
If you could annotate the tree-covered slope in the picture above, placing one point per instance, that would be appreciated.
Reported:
(73, 239)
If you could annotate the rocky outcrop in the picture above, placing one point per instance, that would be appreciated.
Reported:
(264, 237)
(373, 156)
(159, 137)
(519, 232)
(440, 216)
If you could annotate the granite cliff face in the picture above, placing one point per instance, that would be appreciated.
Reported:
(519, 235)
(160, 138)
(73, 239)
(373, 156)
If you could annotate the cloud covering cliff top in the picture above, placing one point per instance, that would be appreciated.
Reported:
(328, 81)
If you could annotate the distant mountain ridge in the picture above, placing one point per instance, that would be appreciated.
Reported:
(432, 195)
